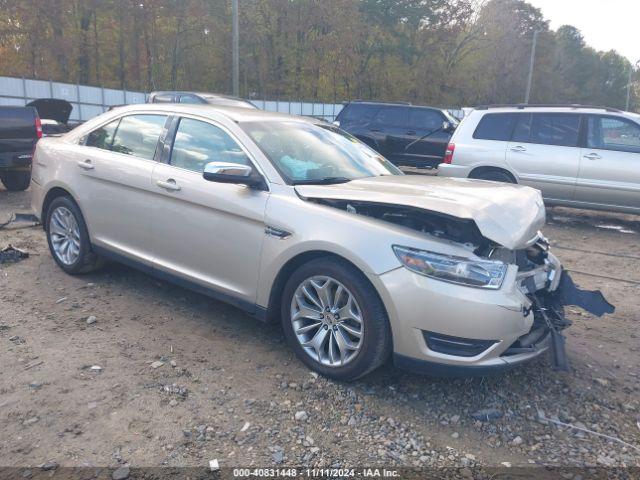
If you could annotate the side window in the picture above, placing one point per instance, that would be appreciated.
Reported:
(555, 129)
(609, 133)
(190, 99)
(423, 118)
(138, 135)
(358, 113)
(495, 126)
(392, 116)
(103, 136)
(197, 143)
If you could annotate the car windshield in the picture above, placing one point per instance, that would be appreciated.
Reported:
(311, 153)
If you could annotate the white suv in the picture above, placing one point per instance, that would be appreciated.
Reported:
(586, 157)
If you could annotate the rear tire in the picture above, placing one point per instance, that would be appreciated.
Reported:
(16, 181)
(373, 344)
(494, 176)
(65, 227)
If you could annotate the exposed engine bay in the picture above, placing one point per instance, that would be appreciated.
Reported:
(540, 277)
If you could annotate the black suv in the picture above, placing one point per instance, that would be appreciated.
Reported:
(20, 129)
(405, 134)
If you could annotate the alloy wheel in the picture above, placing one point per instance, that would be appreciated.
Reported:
(64, 232)
(327, 321)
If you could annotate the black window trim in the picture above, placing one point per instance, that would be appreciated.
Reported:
(585, 132)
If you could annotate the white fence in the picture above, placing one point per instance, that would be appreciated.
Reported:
(90, 101)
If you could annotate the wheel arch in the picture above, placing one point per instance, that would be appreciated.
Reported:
(487, 168)
(51, 195)
(277, 287)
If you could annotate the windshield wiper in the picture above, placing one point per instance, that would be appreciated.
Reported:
(322, 181)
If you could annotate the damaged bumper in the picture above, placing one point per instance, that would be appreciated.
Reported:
(445, 329)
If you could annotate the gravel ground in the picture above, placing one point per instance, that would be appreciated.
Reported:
(116, 368)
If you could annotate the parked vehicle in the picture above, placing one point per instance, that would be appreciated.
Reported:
(20, 129)
(288, 217)
(199, 97)
(577, 156)
(405, 134)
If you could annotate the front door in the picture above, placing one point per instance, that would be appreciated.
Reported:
(426, 140)
(610, 163)
(544, 153)
(207, 233)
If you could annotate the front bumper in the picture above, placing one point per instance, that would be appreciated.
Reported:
(503, 318)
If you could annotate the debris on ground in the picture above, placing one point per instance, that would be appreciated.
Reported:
(11, 254)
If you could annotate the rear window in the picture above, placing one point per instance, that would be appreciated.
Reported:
(495, 126)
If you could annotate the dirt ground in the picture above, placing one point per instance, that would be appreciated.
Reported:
(225, 386)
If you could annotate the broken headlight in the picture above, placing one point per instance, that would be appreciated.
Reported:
(473, 273)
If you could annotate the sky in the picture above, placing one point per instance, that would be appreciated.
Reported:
(605, 24)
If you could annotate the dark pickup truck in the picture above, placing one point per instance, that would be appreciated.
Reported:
(20, 129)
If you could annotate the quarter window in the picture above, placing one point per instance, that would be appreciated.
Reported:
(103, 136)
(495, 126)
(138, 135)
(609, 133)
(198, 143)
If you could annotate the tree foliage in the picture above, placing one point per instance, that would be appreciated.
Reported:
(446, 52)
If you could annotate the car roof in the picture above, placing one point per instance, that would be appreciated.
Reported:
(391, 104)
(201, 94)
(236, 114)
(551, 109)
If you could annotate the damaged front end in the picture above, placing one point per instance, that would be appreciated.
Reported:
(545, 286)
(549, 289)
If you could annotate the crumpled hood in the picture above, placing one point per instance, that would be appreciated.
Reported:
(510, 215)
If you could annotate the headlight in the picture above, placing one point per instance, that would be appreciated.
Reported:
(474, 273)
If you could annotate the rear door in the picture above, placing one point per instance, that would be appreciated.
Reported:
(205, 232)
(425, 141)
(115, 192)
(610, 162)
(544, 152)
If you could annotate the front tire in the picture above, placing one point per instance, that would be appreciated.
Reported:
(68, 238)
(334, 320)
(16, 181)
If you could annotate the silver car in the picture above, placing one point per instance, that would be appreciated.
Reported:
(292, 219)
(585, 157)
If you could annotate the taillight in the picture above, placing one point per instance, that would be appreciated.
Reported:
(38, 127)
(448, 153)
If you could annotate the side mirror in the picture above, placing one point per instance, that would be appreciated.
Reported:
(224, 172)
(447, 127)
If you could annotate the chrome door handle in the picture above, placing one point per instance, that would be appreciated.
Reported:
(170, 184)
(592, 156)
(86, 165)
(518, 148)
